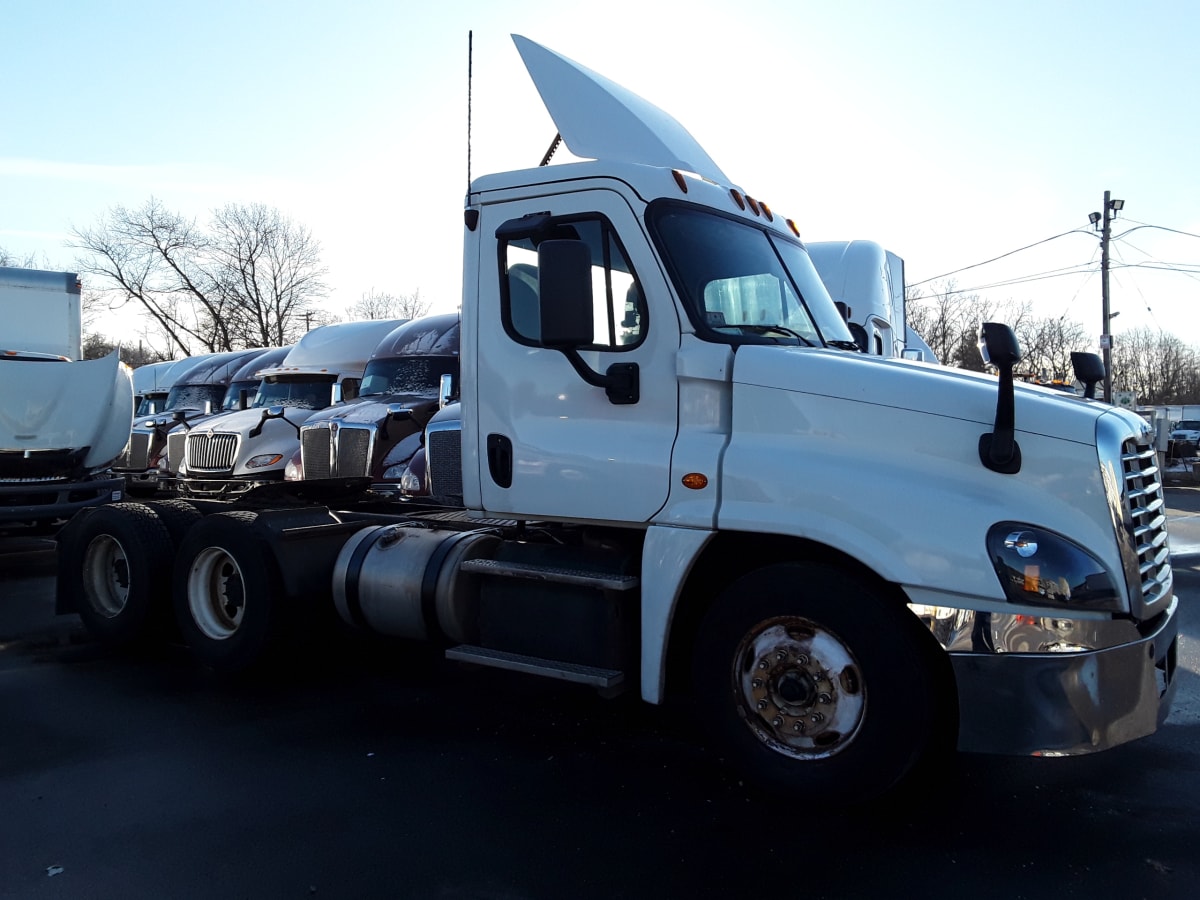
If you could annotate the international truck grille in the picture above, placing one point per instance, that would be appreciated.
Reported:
(1145, 513)
(336, 450)
(210, 452)
(175, 443)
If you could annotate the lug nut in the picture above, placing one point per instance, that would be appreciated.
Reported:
(824, 698)
(817, 717)
(762, 704)
(777, 721)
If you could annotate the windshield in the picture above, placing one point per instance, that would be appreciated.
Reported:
(309, 392)
(151, 404)
(419, 375)
(744, 281)
(234, 392)
(194, 396)
(1189, 425)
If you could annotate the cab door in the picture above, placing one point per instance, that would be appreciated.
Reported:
(547, 443)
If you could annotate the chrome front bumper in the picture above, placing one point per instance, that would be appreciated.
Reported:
(1066, 702)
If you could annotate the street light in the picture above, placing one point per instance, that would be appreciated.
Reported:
(1094, 218)
(1111, 207)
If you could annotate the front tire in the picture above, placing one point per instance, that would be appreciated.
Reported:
(227, 592)
(816, 684)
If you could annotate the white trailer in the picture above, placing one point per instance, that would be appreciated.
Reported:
(672, 479)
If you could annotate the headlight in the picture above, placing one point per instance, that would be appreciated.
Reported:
(266, 459)
(1041, 568)
(294, 470)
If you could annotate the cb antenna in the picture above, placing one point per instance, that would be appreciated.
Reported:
(470, 54)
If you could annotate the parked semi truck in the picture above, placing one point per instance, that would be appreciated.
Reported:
(868, 282)
(376, 435)
(196, 393)
(667, 452)
(63, 419)
(230, 453)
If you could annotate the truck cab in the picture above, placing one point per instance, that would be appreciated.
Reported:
(197, 392)
(376, 435)
(867, 282)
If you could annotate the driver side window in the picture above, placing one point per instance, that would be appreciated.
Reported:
(618, 303)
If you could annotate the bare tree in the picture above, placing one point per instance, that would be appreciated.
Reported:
(249, 281)
(389, 306)
(97, 345)
(1158, 367)
(1046, 347)
(28, 261)
(268, 271)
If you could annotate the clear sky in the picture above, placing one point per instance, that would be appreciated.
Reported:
(950, 132)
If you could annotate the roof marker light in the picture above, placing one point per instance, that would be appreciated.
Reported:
(680, 180)
(792, 225)
(737, 198)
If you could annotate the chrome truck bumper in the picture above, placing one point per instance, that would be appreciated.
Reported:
(1062, 699)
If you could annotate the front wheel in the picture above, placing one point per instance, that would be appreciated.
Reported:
(815, 683)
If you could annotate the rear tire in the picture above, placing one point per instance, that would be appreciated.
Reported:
(115, 563)
(815, 684)
(227, 593)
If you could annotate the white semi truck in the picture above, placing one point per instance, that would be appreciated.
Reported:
(668, 454)
(868, 283)
(63, 419)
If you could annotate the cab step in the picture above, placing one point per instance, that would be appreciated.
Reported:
(532, 572)
(533, 665)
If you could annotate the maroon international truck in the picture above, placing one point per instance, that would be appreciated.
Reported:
(376, 435)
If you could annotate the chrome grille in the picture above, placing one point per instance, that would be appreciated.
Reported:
(139, 451)
(1146, 518)
(175, 442)
(210, 452)
(336, 450)
(444, 460)
(352, 448)
(316, 451)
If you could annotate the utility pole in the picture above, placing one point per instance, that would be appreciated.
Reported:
(1104, 223)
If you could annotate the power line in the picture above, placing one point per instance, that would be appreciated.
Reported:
(1001, 256)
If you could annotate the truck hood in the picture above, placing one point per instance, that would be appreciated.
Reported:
(374, 409)
(67, 405)
(920, 387)
(276, 436)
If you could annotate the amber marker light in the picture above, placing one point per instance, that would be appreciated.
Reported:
(737, 198)
(680, 180)
(753, 204)
(794, 229)
(695, 481)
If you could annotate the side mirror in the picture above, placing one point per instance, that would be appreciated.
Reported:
(860, 336)
(998, 448)
(336, 394)
(1089, 368)
(446, 391)
(565, 314)
(565, 294)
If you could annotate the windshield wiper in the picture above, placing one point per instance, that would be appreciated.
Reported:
(764, 330)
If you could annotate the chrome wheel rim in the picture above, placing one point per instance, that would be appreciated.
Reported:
(216, 591)
(106, 576)
(799, 688)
